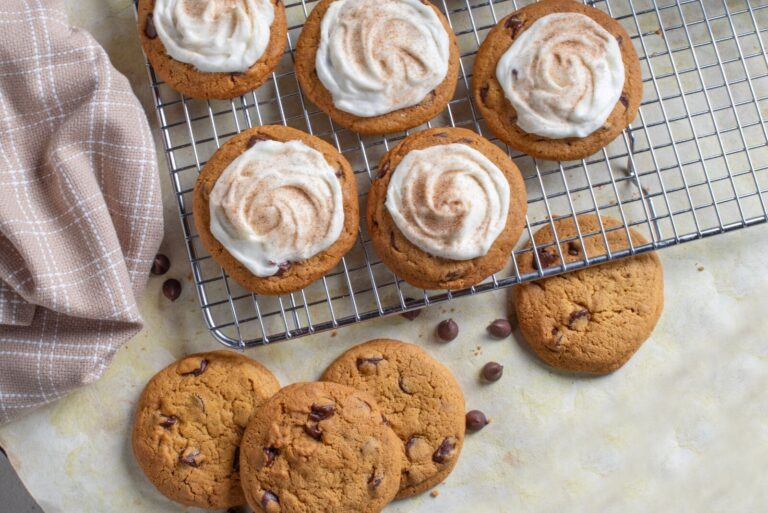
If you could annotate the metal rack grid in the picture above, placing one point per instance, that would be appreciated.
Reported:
(693, 164)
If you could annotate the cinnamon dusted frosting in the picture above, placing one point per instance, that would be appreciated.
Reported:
(563, 75)
(214, 35)
(449, 200)
(378, 56)
(277, 202)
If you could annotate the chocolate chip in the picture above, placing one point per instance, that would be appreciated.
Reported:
(236, 460)
(172, 289)
(619, 40)
(375, 479)
(199, 370)
(409, 446)
(392, 241)
(514, 25)
(168, 421)
(475, 420)
(367, 363)
(191, 457)
(282, 268)
(445, 450)
(545, 258)
(484, 94)
(339, 172)
(404, 386)
(266, 499)
(492, 371)
(270, 453)
(624, 99)
(557, 339)
(384, 420)
(441, 135)
(237, 74)
(160, 265)
(254, 139)
(383, 170)
(321, 412)
(149, 27)
(573, 248)
(313, 430)
(447, 330)
(500, 328)
(452, 275)
(514, 74)
(577, 316)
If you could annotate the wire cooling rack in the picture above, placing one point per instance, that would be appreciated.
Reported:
(693, 164)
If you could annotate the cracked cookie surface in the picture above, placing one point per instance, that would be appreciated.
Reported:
(320, 447)
(421, 400)
(189, 422)
(589, 320)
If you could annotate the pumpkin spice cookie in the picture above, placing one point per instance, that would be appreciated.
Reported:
(421, 400)
(320, 448)
(447, 208)
(276, 208)
(188, 425)
(183, 39)
(594, 319)
(377, 66)
(557, 80)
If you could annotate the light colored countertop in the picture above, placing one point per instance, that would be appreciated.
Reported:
(682, 427)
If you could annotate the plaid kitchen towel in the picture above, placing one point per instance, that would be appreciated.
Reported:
(80, 206)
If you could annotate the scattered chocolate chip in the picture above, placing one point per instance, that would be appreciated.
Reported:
(445, 450)
(160, 265)
(573, 248)
(447, 330)
(149, 27)
(545, 258)
(236, 460)
(624, 99)
(411, 314)
(476, 420)
(266, 499)
(191, 457)
(383, 170)
(500, 328)
(403, 385)
(270, 453)
(492, 371)
(484, 94)
(321, 412)
(514, 25)
(375, 479)
(366, 363)
(168, 421)
(199, 370)
(557, 339)
(313, 430)
(172, 289)
(577, 316)
(441, 135)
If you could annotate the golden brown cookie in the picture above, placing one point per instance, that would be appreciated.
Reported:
(188, 425)
(299, 274)
(421, 400)
(414, 265)
(499, 112)
(399, 120)
(320, 447)
(594, 319)
(188, 80)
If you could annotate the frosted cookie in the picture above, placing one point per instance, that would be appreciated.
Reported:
(189, 422)
(320, 448)
(377, 66)
(589, 320)
(214, 48)
(557, 80)
(276, 208)
(419, 397)
(447, 208)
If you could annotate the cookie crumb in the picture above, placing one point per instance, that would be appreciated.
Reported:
(700, 268)
(334, 333)
(434, 493)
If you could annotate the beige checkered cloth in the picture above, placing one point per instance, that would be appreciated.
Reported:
(80, 207)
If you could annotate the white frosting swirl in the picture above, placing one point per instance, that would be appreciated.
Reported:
(214, 35)
(449, 200)
(277, 202)
(378, 56)
(563, 75)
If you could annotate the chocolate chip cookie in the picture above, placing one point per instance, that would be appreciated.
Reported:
(189, 422)
(320, 447)
(594, 319)
(421, 400)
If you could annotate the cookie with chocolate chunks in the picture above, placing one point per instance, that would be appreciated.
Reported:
(320, 447)
(189, 422)
(421, 400)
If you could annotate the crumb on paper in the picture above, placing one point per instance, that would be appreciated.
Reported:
(700, 268)
(334, 333)
(434, 493)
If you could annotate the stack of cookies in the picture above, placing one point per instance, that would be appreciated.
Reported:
(214, 430)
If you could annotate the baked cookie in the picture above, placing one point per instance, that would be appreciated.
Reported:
(320, 447)
(188, 425)
(557, 80)
(447, 208)
(421, 400)
(276, 208)
(594, 319)
(377, 66)
(182, 39)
